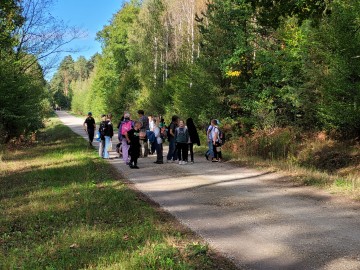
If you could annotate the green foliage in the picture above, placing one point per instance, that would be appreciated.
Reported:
(22, 88)
(262, 64)
(190, 87)
(335, 68)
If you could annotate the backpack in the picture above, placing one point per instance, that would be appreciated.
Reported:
(125, 127)
(164, 133)
(221, 136)
(181, 135)
(102, 129)
(151, 136)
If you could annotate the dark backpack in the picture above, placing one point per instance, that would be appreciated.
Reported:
(164, 133)
(102, 129)
(221, 136)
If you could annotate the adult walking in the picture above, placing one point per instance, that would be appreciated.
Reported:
(193, 137)
(90, 126)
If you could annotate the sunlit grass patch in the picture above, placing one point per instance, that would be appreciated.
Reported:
(64, 208)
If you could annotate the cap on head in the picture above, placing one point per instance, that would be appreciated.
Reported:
(89, 113)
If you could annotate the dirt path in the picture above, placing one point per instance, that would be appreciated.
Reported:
(253, 217)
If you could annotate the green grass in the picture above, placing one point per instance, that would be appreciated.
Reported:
(63, 208)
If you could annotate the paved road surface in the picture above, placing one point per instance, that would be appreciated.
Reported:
(255, 218)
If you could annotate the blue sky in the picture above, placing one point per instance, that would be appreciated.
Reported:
(89, 15)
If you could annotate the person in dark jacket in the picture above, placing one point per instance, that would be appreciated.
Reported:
(133, 139)
(106, 134)
(102, 128)
(193, 137)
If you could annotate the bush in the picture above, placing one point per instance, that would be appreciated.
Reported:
(276, 144)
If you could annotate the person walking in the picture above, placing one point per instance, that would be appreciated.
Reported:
(181, 140)
(172, 153)
(133, 139)
(193, 137)
(90, 126)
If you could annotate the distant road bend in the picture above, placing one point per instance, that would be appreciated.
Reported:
(255, 218)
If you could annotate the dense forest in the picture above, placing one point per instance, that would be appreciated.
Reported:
(30, 39)
(256, 65)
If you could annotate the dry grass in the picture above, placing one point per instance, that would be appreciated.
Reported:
(311, 159)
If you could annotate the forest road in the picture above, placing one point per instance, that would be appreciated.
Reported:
(257, 219)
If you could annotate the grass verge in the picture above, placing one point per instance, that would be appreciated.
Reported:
(63, 208)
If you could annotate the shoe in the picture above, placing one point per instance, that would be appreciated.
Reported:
(180, 162)
(159, 162)
(192, 162)
(135, 167)
(214, 160)
(131, 166)
(207, 157)
(185, 162)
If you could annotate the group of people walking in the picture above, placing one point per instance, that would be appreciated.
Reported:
(139, 138)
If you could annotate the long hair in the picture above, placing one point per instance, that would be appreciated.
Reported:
(194, 136)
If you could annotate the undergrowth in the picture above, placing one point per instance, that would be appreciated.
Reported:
(312, 159)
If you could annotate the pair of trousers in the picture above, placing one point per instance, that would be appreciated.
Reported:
(191, 148)
(101, 148)
(108, 145)
(144, 144)
(172, 154)
(125, 149)
(182, 149)
(90, 133)
(217, 151)
(159, 151)
(210, 151)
